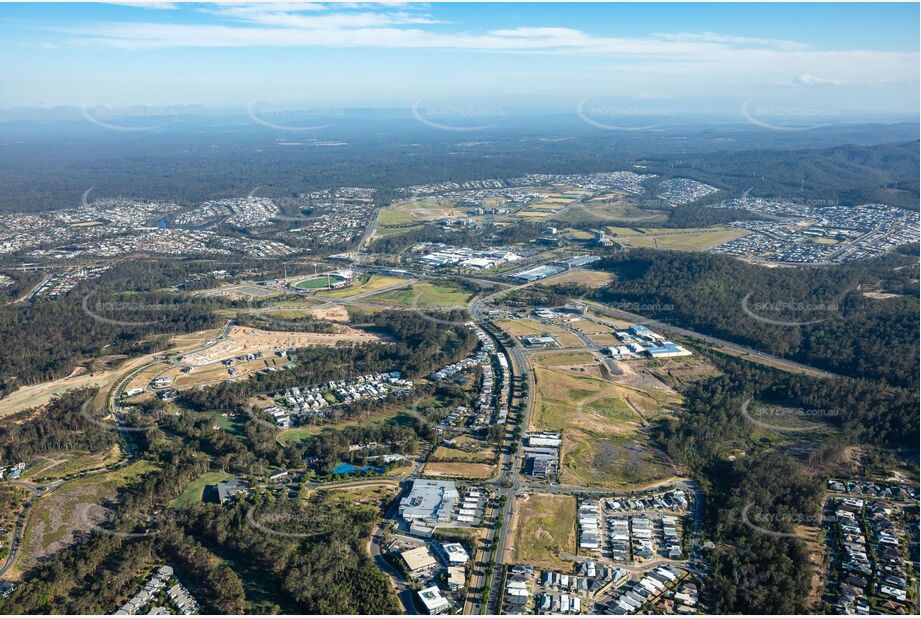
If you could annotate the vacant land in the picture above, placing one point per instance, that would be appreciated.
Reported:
(544, 528)
(691, 239)
(602, 460)
(216, 372)
(73, 508)
(605, 339)
(611, 210)
(459, 470)
(565, 400)
(527, 327)
(41, 394)
(59, 465)
(680, 372)
(588, 326)
(424, 294)
(245, 339)
(373, 492)
(604, 423)
(588, 278)
(533, 214)
(239, 291)
(418, 211)
(465, 449)
(564, 359)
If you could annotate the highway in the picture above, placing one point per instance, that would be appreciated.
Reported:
(735, 349)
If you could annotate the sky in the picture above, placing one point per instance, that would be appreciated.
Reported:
(797, 59)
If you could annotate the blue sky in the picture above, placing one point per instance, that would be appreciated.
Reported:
(696, 57)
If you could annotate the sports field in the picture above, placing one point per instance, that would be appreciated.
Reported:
(364, 285)
(316, 283)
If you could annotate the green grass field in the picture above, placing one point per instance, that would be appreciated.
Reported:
(425, 294)
(315, 283)
(419, 211)
(390, 415)
(192, 493)
(690, 239)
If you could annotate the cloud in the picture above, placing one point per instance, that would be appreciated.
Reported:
(161, 6)
(811, 80)
(390, 26)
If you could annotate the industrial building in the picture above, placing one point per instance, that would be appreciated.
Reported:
(433, 601)
(429, 500)
(418, 560)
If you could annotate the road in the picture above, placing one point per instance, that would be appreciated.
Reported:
(508, 483)
(735, 349)
(40, 490)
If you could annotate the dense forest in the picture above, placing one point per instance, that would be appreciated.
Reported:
(744, 476)
(192, 159)
(65, 425)
(123, 313)
(843, 330)
(228, 563)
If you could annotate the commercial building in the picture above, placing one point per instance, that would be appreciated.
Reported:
(453, 553)
(429, 500)
(433, 601)
(418, 560)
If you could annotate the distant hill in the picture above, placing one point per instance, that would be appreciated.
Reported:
(847, 174)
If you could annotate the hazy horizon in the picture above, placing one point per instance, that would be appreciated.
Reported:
(808, 60)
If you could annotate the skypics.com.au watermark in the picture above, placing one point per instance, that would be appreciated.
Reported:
(637, 307)
(125, 525)
(119, 422)
(289, 525)
(135, 118)
(294, 118)
(767, 417)
(613, 117)
(756, 311)
(787, 118)
(457, 118)
(98, 311)
(767, 523)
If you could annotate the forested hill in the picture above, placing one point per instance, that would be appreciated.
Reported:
(847, 174)
(818, 316)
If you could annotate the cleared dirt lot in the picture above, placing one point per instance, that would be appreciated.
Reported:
(459, 470)
(588, 278)
(245, 339)
(41, 394)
